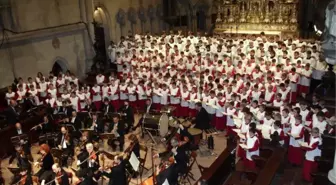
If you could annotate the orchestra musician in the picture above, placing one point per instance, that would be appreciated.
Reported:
(179, 157)
(24, 177)
(116, 174)
(134, 147)
(12, 115)
(84, 139)
(65, 143)
(202, 120)
(88, 161)
(107, 107)
(29, 102)
(118, 129)
(59, 176)
(90, 106)
(129, 118)
(21, 156)
(96, 124)
(75, 121)
(45, 163)
(66, 109)
(24, 143)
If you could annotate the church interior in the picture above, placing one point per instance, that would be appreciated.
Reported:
(167, 92)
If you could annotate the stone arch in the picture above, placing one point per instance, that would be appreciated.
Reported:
(103, 18)
(62, 63)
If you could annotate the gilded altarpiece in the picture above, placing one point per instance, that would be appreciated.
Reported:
(275, 17)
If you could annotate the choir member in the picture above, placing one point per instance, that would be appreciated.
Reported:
(312, 151)
(252, 149)
(296, 133)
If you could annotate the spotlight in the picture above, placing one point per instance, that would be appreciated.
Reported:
(317, 31)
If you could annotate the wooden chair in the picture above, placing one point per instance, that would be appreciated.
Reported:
(143, 159)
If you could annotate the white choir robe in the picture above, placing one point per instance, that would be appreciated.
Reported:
(285, 122)
(105, 92)
(75, 103)
(53, 92)
(82, 98)
(269, 96)
(255, 95)
(131, 93)
(309, 165)
(175, 96)
(185, 97)
(96, 91)
(164, 97)
(252, 148)
(277, 103)
(113, 93)
(321, 125)
(305, 80)
(295, 153)
(141, 92)
(123, 92)
(294, 79)
(156, 96)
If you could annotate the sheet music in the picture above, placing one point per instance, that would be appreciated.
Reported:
(243, 146)
(134, 161)
(304, 144)
(165, 182)
(237, 122)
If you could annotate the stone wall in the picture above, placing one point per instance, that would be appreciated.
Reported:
(42, 31)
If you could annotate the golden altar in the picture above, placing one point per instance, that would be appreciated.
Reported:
(273, 17)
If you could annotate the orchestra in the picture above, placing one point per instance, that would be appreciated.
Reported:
(178, 98)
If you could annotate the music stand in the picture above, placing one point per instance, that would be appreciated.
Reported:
(106, 136)
(14, 170)
(16, 140)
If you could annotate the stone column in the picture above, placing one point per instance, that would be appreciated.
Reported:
(332, 172)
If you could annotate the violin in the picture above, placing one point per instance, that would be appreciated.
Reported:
(23, 180)
(58, 179)
(93, 155)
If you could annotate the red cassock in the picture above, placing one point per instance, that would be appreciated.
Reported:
(252, 151)
(309, 164)
(295, 153)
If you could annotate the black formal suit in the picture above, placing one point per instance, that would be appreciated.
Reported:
(22, 160)
(117, 175)
(29, 180)
(181, 159)
(149, 108)
(12, 116)
(120, 138)
(76, 122)
(105, 109)
(88, 167)
(66, 145)
(99, 128)
(129, 118)
(202, 120)
(66, 110)
(28, 104)
(46, 167)
(64, 178)
(90, 108)
(170, 174)
(26, 145)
